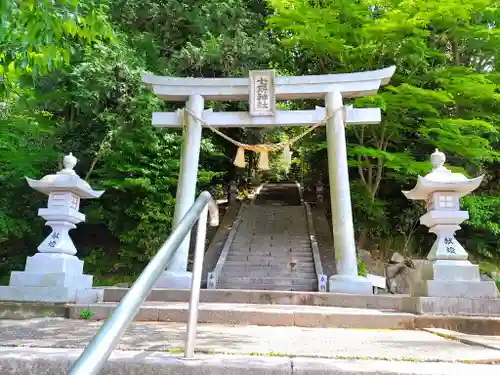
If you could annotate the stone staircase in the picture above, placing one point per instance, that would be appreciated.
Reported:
(271, 249)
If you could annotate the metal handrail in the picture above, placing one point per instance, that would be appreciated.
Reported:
(95, 355)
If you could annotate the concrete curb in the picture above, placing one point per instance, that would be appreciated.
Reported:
(218, 240)
(213, 277)
(488, 342)
(27, 310)
(296, 315)
(276, 315)
(28, 361)
(402, 303)
(322, 278)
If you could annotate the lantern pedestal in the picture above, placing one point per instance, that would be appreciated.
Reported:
(51, 277)
(55, 274)
(450, 274)
(454, 278)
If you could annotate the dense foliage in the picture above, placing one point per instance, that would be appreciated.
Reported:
(70, 81)
(444, 94)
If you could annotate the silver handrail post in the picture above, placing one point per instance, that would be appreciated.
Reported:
(94, 356)
(199, 253)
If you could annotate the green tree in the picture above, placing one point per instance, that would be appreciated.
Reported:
(96, 106)
(38, 36)
(444, 92)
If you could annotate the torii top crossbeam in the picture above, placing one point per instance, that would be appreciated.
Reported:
(287, 88)
(276, 88)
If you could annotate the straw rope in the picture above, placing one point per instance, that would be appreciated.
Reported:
(266, 146)
(262, 149)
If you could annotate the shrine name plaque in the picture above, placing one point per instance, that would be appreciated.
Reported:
(262, 93)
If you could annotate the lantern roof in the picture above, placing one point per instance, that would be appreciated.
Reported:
(65, 180)
(442, 179)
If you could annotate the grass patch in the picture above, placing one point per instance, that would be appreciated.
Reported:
(111, 280)
(362, 270)
(270, 354)
(338, 357)
(87, 314)
(175, 350)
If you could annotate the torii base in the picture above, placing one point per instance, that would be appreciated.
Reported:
(174, 280)
(350, 285)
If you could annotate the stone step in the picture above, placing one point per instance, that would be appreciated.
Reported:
(245, 266)
(229, 283)
(309, 277)
(275, 259)
(286, 281)
(265, 254)
(283, 244)
(277, 254)
(249, 234)
(251, 231)
(266, 287)
(269, 262)
(391, 302)
(277, 248)
(267, 273)
(270, 265)
(293, 219)
(273, 270)
(262, 273)
(261, 315)
(279, 260)
(256, 235)
(293, 228)
(253, 249)
(272, 253)
(270, 244)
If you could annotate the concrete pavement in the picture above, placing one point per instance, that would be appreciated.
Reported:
(30, 361)
(48, 346)
(252, 340)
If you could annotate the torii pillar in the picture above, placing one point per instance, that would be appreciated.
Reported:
(176, 276)
(262, 90)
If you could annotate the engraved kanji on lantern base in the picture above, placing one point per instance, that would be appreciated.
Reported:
(450, 274)
(55, 274)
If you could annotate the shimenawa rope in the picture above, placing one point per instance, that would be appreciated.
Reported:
(262, 149)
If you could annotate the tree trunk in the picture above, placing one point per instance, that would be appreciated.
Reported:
(455, 51)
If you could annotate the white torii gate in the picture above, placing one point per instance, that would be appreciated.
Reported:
(262, 90)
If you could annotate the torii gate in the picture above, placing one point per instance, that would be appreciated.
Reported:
(262, 89)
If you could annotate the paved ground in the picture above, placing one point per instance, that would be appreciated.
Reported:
(39, 361)
(256, 340)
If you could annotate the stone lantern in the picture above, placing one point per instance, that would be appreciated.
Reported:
(449, 274)
(233, 192)
(319, 192)
(55, 274)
